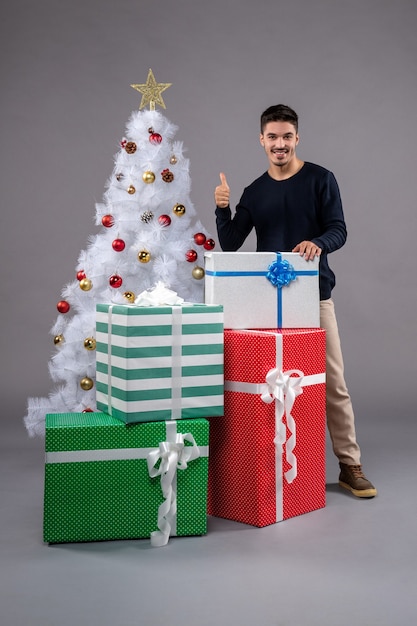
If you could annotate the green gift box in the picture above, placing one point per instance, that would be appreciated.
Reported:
(107, 480)
(158, 363)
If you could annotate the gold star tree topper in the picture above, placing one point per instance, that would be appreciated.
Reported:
(151, 92)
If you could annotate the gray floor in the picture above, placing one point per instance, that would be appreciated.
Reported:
(352, 563)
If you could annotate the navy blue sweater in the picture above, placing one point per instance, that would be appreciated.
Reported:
(306, 206)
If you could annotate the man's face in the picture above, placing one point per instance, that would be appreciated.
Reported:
(279, 140)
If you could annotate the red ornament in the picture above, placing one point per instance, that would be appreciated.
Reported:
(199, 238)
(209, 244)
(191, 256)
(88, 410)
(118, 245)
(164, 220)
(123, 142)
(80, 275)
(115, 281)
(107, 221)
(155, 138)
(63, 306)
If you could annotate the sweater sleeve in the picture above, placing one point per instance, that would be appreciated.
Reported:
(232, 232)
(331, 218)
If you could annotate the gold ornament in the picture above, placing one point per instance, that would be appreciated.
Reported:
(144, 256)
(173, 160)
(86, 284)
(151, 92)
(130, 296)
(58, 339)
(179, 209)
(90, 343)
(148, 177)
(131, 189)
(198, 272)
(86, 383)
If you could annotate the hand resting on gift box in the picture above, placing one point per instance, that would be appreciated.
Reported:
(307, 249)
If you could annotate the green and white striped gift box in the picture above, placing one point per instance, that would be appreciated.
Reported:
(160, 362)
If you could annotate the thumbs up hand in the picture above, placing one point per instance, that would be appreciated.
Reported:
(222, 193)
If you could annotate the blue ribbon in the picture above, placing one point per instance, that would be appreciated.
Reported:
(280, 273)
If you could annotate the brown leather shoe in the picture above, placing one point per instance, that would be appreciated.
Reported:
(354, 480)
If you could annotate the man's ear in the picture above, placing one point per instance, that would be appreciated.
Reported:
(261, 139)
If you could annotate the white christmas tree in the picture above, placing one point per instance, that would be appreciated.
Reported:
(149, 234)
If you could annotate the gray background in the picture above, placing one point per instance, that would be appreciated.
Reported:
(349, 69)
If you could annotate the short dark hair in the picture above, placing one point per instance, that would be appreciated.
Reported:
(279, 113)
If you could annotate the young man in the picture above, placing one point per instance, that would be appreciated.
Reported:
(296, 206)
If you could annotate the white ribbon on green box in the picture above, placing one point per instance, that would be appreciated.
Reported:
(171, 455)
(282, 388)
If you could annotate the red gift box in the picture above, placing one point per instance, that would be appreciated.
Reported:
(267, 456)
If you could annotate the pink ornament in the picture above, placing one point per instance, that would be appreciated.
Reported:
(63, 306)
(107, 221)
(115, 281)
(118, 245)
(164, 220)
(209, 244)
(191, 256)
(199, 238)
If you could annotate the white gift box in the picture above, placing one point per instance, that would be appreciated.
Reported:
(264, 289)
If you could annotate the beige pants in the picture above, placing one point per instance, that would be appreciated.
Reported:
(340, 416)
